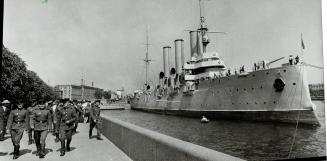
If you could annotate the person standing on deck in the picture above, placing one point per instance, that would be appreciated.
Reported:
(17, 122)
(95, 119)
(290, 59)
(41, 122)
(66, 117)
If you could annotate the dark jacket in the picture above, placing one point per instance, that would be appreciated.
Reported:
(4, 116)
(66, 117)
(95, 112)
(41, 119)
(18, 119)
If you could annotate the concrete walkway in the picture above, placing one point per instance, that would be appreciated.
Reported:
(83, 149)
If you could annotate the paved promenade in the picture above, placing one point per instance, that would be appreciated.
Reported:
(83, 149)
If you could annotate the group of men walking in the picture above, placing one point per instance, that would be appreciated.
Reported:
(59, 117)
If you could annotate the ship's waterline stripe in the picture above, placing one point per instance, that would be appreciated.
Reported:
(283, 110)
(166, 101)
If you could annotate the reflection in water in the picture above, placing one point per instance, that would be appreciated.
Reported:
(244, 139)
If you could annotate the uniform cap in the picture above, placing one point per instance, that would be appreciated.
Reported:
(5, 101)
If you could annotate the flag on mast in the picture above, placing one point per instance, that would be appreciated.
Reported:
(302, 43)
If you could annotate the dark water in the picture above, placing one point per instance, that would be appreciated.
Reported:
(246, 140)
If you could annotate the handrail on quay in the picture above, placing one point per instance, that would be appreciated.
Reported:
(143, 144)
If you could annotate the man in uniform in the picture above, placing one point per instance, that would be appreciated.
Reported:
(79, 112)
(30, 131)
(66, 117)
(17, 122)
(95, 119)
(87, 108)
(48, 106)
(4, 113)
(41, 122)
(54, 119)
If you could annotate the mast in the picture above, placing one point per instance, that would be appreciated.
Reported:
(82, 85)
(147, 60)
(203, 28)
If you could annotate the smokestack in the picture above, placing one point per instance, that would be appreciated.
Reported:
(199, 44)
(179, 55)
(193, 43)
(92, 84)
(166, 53)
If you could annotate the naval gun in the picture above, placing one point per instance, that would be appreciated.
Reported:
(273, 61)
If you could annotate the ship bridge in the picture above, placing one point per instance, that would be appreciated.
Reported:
(207, 60)
(207, 65)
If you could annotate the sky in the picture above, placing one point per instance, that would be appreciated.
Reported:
(103, 40)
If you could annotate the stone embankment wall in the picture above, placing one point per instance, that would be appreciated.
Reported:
(141, 144)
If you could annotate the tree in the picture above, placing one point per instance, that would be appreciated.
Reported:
(98, 94)
(19, 84)
(107, 94)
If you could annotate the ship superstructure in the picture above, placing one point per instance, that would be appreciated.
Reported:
(204, 86)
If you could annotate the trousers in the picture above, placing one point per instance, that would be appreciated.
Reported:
(16, 136)
(65, 134)
(40, 136)
(92, 125)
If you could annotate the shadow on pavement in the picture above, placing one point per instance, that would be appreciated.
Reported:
(3, 153)
(47, 150)
(24, 151)
(6, 137)
(71, 149)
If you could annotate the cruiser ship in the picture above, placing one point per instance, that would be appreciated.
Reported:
(204, 86)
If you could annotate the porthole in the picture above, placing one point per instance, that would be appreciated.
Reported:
(294, 84)
(252, 88)
(253, 75)
(264, 102)
(261, 87)
(236, 89)
(247, 103)
(284, 70)
(267, 73)
(232, 103)
(244, 89)
(274, 102)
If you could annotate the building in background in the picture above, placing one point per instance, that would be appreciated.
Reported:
(76, 92)
(117, 95)
(317, 91)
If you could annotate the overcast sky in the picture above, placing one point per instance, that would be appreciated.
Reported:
(104, 39)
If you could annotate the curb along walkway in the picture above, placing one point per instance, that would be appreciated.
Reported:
(82, 148)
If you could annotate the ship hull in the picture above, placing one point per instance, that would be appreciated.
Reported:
(240, 97)
(294, 116)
